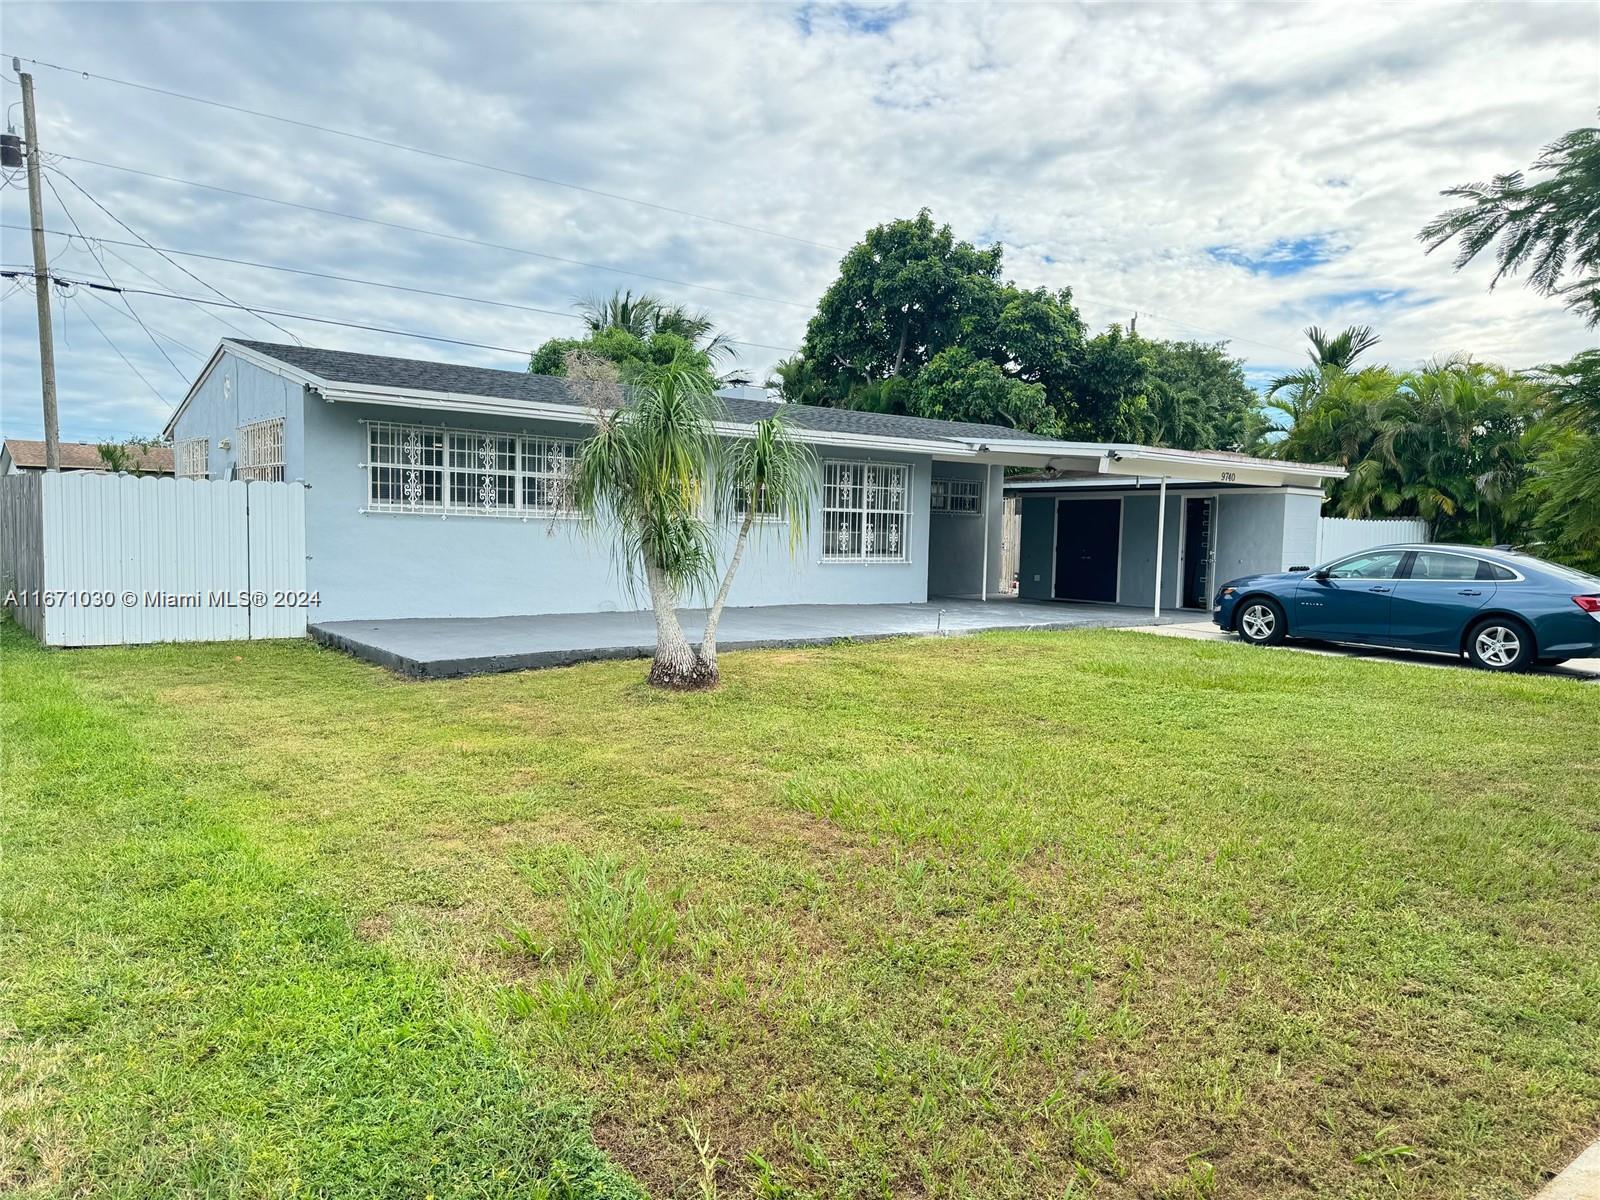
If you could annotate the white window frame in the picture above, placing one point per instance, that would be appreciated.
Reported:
(261, 450)
(766, 512)
(191, 458)
(430, 465)
(857, 495)
(952, 497)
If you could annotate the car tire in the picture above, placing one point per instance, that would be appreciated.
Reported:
(1261, 621)
(1500, 644)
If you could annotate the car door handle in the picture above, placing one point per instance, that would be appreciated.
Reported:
(1380, 589)
(1469, 592)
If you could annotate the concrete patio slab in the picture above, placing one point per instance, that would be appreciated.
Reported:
(442, 647)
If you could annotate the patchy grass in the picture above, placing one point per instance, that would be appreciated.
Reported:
(1018, 915)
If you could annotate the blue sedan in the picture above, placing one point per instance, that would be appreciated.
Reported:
(1503, 610)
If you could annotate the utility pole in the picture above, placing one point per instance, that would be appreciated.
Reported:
(41, 276)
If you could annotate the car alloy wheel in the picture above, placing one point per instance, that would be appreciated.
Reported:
(1498, 645)
(1257, 622)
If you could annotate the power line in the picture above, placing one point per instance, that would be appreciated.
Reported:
(399, 287)
(451, 237)
(223, 321)
(180, 266)
(88, 316)
(14, 272)
(439, 155)
(94, 254)
(187, 349)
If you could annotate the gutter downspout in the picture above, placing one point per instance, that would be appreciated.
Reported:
(1161, 538)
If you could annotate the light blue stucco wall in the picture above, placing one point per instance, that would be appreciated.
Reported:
(956, 541)
(378, 565)
(1139, 551)
(1249, 534)
(237, 393)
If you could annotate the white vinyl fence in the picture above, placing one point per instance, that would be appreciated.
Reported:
(1338, 536)
(102, 560)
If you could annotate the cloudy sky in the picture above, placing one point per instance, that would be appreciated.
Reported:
(1234, 173)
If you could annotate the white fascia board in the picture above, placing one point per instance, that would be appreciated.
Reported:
(1123, 458)
(225, 347)
(572, 414)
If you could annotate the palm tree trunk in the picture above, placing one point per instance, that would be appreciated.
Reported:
(676, 665)
(708, 644)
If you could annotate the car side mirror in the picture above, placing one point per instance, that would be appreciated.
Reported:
(1320, 576)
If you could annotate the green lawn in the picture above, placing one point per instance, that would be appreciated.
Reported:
(1021, 915)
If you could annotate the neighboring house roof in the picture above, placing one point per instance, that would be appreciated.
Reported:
(374, 370)
(85, 456)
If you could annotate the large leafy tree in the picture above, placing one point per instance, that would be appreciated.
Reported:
(958, 386)
(644, 480)
(920, 322)
(1110, 387)
(1549, 227)
(1198, 398)
(904, 292)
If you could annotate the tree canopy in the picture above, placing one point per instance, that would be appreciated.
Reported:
(920, 322)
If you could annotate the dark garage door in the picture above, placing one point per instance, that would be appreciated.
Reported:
(1087, 532)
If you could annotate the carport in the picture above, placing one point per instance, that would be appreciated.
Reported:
(1114, 523)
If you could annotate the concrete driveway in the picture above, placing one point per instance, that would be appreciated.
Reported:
(1581, 669)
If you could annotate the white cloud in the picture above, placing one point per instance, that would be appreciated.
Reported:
(1174, 160)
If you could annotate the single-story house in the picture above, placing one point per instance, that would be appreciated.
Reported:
(439, 490)
(20, 454)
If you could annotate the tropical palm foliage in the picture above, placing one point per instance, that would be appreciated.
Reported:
(645, 478)
(646, 315)
(1565, 490)
(1551, 227)
(1481, 453)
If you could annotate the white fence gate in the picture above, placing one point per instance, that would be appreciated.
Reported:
(104, 560)
(1338, 536)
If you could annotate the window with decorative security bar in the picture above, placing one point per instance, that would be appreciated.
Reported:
(961, 497)
(191, 458)
(419, 469)
(866, 512)
(261, 450)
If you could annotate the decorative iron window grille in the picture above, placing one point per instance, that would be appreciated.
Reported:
(962, 497)
(417, 469)
(261, 450)
(866, 512)
(191, 458)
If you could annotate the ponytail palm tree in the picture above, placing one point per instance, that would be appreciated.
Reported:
(646, 476)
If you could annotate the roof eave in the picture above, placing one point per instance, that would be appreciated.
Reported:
(1124, 458)
(348, 393)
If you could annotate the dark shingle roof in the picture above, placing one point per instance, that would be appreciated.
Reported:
(376, 370)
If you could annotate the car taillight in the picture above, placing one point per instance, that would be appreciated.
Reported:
(1589, 604)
